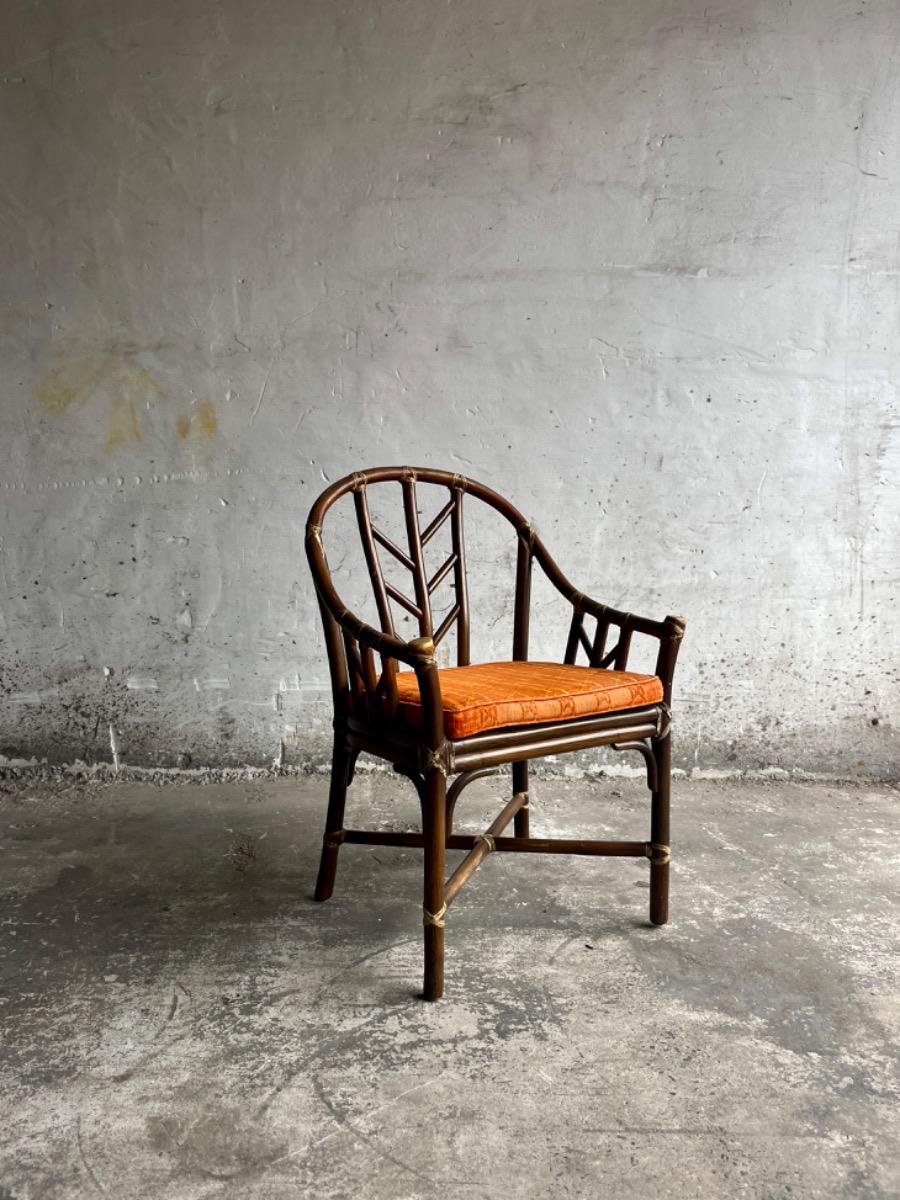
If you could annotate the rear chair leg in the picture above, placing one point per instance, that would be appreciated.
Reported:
(659, 832)
(434, 827)
(520, 784)
(342, 762)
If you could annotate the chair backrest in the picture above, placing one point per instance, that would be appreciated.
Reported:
(356, 684)
(375, 543)
(412, 556)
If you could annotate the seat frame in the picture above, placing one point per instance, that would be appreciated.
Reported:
(365, 701)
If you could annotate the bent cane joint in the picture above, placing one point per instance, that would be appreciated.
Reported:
(658, 853)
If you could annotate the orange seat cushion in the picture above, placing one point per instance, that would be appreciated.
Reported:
(493, 695)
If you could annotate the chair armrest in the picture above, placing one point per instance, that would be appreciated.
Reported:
(352, 645)
(418, 653)
(661, 630)
(356, 643)
(668, 632)
(388, 645)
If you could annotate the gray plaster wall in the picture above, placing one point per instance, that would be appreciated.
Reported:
(635, 265)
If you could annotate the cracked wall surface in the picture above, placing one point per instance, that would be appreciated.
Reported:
(636, 266)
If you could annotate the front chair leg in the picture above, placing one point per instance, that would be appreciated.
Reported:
(342, 763)
(659, 832)
(520, 784)
(434, 828)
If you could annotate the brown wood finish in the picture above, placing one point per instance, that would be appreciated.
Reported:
(365, 699)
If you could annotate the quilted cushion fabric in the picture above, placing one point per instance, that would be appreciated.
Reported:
(492, 695)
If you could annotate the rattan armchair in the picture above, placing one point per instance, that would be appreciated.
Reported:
(461, 723)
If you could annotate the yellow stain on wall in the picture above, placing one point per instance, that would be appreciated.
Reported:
(72, 382)
(122, 423)
(203, 422)
(123, 383)
(207, 421)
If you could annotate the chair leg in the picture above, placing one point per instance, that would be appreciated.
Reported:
(659, 832)
(342, 761)
(520, 784)
(434, 828)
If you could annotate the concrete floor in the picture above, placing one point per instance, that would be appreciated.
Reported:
(179, 1019)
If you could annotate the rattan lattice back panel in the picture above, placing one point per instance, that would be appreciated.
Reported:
(431, 571)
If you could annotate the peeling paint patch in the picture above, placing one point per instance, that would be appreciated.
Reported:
(114, 747)
(221, 684)
(141, 683)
